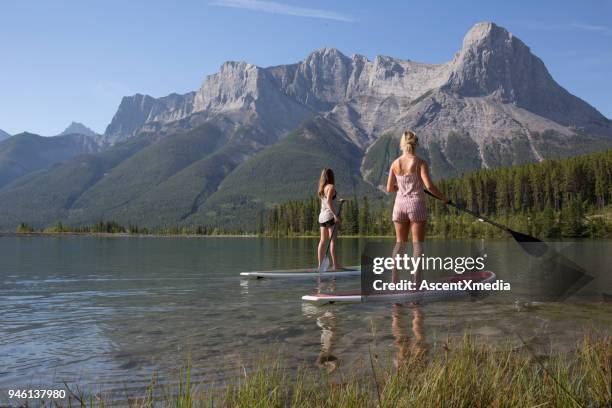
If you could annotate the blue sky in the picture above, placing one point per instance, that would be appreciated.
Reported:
(74, 60)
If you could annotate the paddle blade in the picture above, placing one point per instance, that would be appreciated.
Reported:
(532, 245)
(555, 276)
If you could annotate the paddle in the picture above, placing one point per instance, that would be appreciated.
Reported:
(531, 245)
(325, 262)
(561, 276)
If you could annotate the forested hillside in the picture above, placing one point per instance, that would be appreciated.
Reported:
(556, 198)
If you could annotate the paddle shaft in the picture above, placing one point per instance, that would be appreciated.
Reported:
(475, 214)
(322, 268)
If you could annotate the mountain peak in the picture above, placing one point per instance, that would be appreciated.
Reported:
(325, 53)
(495, 62)
(236, 65)
(78, 128)
(487, 37)
(4, 135)
(487, 33)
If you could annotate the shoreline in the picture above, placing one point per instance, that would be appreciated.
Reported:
(8, 234)
(119, 235)
(12, 234)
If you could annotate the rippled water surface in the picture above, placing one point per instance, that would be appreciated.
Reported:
(108, 313)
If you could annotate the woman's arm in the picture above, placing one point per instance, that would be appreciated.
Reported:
(331, 190)
(391, 181)
(429, 184)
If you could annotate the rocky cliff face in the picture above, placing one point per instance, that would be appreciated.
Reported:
(236, 86)
(137, 110)
(327, 77)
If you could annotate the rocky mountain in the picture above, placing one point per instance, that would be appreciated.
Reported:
(369, 97)
(76, 128)
(4, 135)
(252, 136)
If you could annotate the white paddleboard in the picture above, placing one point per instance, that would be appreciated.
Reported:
(407, 296)
(303, 273)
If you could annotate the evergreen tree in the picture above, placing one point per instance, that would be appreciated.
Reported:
(573, 218)
(364, 217)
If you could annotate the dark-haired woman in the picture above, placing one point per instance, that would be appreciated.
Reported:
(328, 217)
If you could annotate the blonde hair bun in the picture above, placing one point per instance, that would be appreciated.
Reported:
(409, 141)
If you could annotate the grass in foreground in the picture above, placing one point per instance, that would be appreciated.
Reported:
(463, 375)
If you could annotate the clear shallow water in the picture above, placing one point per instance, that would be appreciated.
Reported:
(107, 313)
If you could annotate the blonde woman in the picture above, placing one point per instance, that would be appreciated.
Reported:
(408, 176)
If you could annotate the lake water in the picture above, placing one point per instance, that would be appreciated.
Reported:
(108, 313)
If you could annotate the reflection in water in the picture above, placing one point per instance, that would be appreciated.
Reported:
(415, 347)
(327, 323)
(325, 359)
(244, 287)
(326, 286)
(398, 249)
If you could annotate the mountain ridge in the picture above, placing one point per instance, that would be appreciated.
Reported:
(491, 63)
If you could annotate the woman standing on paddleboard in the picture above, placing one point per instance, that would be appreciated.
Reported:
(328, 217)
(408, 175)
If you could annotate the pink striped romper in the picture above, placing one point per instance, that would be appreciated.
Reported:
(410, 204)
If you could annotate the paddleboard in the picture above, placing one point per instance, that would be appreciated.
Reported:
(406, 296)
(303, 273)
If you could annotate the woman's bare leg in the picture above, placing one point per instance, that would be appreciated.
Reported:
(322, 245)
(401, 238)
(418, 231)
(332, 246)
(418, 236)
(401, 231)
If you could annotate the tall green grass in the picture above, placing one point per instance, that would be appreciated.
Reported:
(466, 374)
